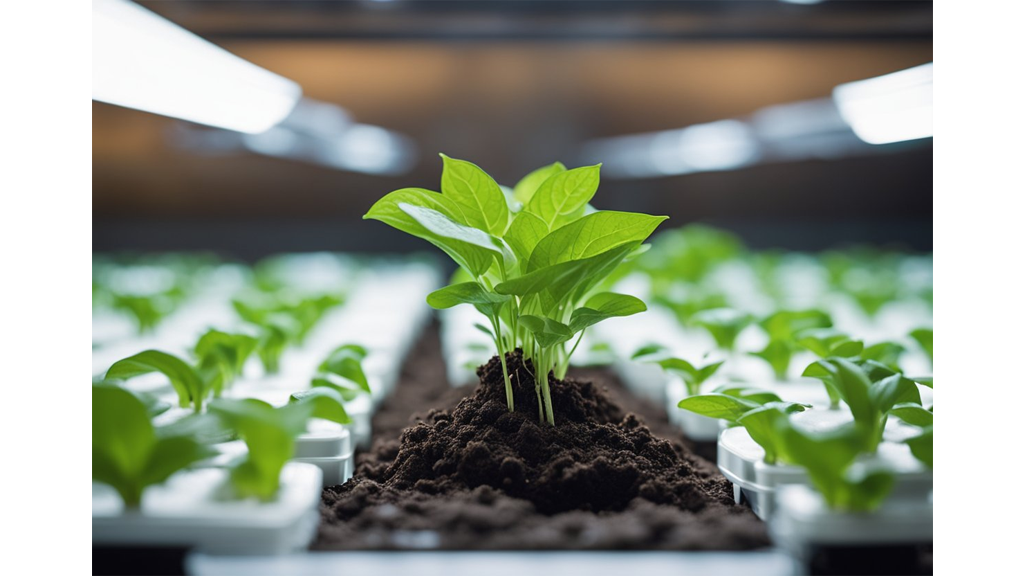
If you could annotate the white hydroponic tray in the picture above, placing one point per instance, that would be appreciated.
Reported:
(327, 446)
(741, 461)
(802, 520)
(191, 510)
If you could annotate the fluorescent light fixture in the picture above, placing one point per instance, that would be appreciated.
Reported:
(143, 61)
(891, 108)
(722, 145)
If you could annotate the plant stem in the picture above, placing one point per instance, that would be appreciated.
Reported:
(546, 391)
(495, 323)
(508, 383)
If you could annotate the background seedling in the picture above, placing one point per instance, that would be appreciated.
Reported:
(127, 454)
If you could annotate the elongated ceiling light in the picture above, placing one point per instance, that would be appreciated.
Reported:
(143, 61)
(858, 116)
(891, 108)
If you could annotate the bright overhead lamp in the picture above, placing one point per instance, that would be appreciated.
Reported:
(891, 108)
(143, 61)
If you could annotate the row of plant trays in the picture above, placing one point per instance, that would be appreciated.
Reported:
(782, 495)
(385, 313)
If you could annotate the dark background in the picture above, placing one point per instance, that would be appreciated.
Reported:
(514, 85)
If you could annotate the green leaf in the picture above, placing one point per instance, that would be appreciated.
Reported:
(887, 353)
(721, 406)
(170, 455)
(342, 371)
(592, 235)
(488, 303)
(777, 353)
(761, 423)
(186, 381)
(923, 336)
(469, 255)
(921, 446)
(465, 244)
(525, 188)
(913, 414)
(484, 329)
(548, 332)
(602, 306)
(126, 452)
(782, 325)
(893, 390)
(922, 380)
(562, 280)
(854, 387)
(328, 403)
(749, 393)
(825, 342)
(724, 325)
(563, 194)
(648, 350)
(524, 234)
(477, 195)
(121, 429)
(269, 434)
(826, 457)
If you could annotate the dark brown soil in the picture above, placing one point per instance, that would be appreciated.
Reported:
(470, 475)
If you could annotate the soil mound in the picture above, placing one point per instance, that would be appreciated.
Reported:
(478, 476)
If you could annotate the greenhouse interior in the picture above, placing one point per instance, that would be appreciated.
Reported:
(494, 287)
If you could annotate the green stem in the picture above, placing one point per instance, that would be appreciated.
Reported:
(546, 391)
(495, 323)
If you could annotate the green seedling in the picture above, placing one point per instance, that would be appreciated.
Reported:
(221, 357)
(190, 385)
(147, 311)
(828, 458)
(342, 371)
(871, 390)
(782, 327)
(754, 409)
(724, 325)
(269, 434)
(693, 376)
(829, 342)
(533, 264)
(127, 453)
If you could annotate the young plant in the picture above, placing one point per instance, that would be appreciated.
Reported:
(127, 453)
(829, 342)
(754, 409)
(191, 386)
(221, 357)
(724, 325)
(693, 377)
(534, 263)
(869, 400)
(269, 434)
(829, 461)
(146, 310)
(782, 327)
(342, 371)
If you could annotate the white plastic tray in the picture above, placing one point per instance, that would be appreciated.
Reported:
(741, 460)
(190, 510)
(802, 520)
